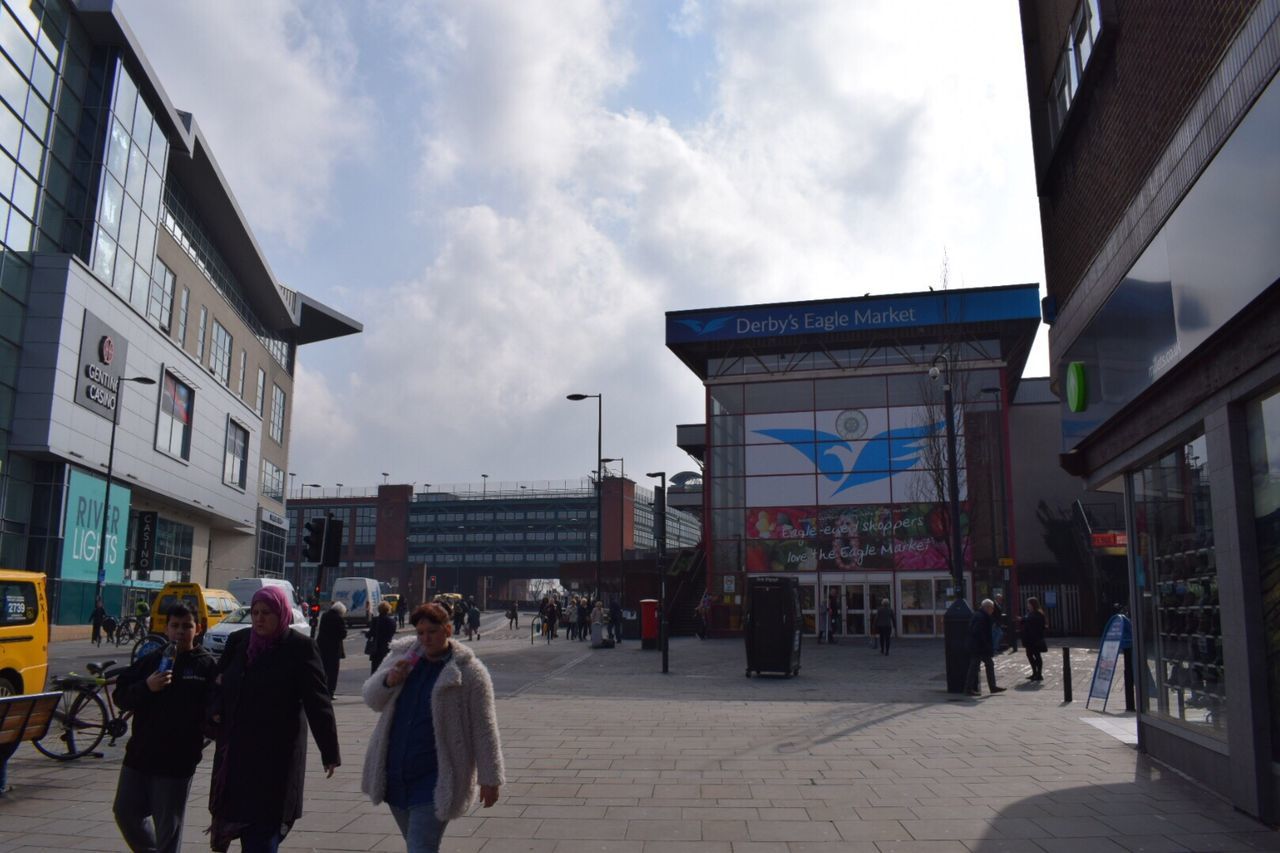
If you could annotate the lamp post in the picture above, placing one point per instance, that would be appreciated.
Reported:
(484, 486)
(106, 499)
(599, 398)
(385, 475)
(292, 476)
(339, 485)
(660, 534)
(312, 486)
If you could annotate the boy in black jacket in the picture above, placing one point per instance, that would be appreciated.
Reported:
(168, 704)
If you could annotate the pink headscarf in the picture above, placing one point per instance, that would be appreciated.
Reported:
(275, 598)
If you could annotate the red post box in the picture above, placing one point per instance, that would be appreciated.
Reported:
(648, 623)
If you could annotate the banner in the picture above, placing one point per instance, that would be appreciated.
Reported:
(144, 554)
(83, 529)
(1117, 636)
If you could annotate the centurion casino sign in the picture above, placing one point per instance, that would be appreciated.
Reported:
(103, 354)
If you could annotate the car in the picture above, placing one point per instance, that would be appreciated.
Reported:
(215, 639)
(24, 632)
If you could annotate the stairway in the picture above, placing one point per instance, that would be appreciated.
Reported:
(686, 581)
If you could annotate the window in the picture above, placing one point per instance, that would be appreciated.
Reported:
(20, 604)
(173, 426)
(160, 302)
(271, 545)
(220, 355)
(204, 319)
(277, 413)
(173, 551)
(1077, 49)
(272, 481)
(1264, 457)
(183, 307)
(262, 390)
(235, 455)
(244, 358)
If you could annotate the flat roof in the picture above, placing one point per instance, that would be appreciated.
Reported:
(1007, 313)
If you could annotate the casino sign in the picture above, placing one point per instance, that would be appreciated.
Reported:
(103, 355)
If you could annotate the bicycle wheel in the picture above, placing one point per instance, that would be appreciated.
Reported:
(148, 644)
(79, 725)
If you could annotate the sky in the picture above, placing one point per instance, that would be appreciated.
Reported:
(510, 194)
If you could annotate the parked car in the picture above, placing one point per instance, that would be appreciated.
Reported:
(216, 638)
(24, 632)
(244, 588)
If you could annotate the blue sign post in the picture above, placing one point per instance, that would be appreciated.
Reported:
(1116, 637)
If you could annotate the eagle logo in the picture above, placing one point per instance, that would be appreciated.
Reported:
(835, 458)
(705, 327)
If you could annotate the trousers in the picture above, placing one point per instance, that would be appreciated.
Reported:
(971, 682)
(149, 810)
(421, 829)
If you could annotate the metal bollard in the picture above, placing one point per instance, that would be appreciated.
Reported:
(1066, 674)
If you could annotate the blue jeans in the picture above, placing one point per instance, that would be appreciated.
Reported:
(262, 838)
(421, 829)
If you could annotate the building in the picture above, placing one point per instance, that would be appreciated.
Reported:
(126, 256)
(825, 451)
(481, 541)
(1158, 173)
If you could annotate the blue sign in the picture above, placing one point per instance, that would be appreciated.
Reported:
(82, 529)
(906, 310)
(1116, 637)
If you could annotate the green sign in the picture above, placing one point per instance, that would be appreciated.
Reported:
(1077, 387)
(83, 528)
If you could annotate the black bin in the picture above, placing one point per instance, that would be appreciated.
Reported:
(773, 625)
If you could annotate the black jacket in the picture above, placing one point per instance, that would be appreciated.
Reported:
(1033, 632)
(168, 736)
(264, 710)
(382, 632)
(980, 634)
(330, 632)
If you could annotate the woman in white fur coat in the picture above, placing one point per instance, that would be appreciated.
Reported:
(438, 733)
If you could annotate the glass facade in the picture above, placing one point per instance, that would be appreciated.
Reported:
(1176, 576)
(272, 481)
(271, 545)
(1264, 458)
(235, 455)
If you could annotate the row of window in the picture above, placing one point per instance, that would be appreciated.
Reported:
(1082, 34)
(534, 515)
(531, 536)
(548, 558)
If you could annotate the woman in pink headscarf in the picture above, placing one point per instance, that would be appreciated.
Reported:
(271, 678)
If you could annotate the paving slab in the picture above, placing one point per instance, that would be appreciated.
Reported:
(606, 754)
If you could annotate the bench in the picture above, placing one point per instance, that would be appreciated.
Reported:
(26, 717)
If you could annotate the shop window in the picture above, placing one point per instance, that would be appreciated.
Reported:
(1264, 455)
(1176, 573)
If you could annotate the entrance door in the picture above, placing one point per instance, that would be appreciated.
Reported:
(829, 592)
(808, 608)
(855, 609)
(878, 592)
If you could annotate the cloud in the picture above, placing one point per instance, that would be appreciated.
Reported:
(274, 86)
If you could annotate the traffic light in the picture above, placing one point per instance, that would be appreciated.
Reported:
(332, 551)
(313, 540)
(432, 582)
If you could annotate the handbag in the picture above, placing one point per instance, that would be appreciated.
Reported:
(368, 643)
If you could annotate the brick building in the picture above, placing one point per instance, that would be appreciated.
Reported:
(1158, 171)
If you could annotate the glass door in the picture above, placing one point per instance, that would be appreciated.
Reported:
(916, 609)
(878, 592)
(808, 609)
(855, 609)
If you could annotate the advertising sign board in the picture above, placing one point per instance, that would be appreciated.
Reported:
(1116, 637)
(103, 355)
(82, 529)
(144, 554)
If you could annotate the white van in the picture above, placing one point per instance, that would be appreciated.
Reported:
(361, 596)
(244, 588)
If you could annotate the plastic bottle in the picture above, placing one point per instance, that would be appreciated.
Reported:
(166, 659)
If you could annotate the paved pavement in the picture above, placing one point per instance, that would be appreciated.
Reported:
(604, 753)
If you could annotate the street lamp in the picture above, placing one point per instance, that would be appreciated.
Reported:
(339, 485)
(484, 486)
(599, 398)
(106, 500)
(292, 475)
(312, 486)
(660, 535)
(622, 503)
(385, 475)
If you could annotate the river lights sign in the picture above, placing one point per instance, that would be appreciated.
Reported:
(103, 354)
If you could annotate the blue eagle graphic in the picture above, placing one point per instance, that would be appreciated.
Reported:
(705, 327)
(890, 451)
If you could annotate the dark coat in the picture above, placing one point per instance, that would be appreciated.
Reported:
(329, 635)
(262, 737)
(1033, 627)
(980, 626)
(381, 632)
(168, 726)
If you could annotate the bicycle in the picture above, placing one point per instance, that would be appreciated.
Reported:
(131, 629)
(82, 718)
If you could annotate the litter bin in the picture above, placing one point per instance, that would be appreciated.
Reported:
(630, 625)
(773, 625)
(955, 626)
(648, 623)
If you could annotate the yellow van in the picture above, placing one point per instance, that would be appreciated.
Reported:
(210, 606)
(24, 633)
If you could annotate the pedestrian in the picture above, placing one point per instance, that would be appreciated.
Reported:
(703, 611)
(6, 752)
(271, 677)
(142, 612)
(615, 620)
(402, 610)
(459, 615)
(330, 634)
(997, 623)
(886, 624)
(437, 732)
(380, 634)
(513, 617)
(473, 622)
(96, 618)
(598, 618)
(833, 615)
(1033, 628)
(981, 648)
(168, 692)
(582, 618)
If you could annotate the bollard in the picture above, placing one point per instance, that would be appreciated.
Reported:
(1066, 674)
(1128, 680)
